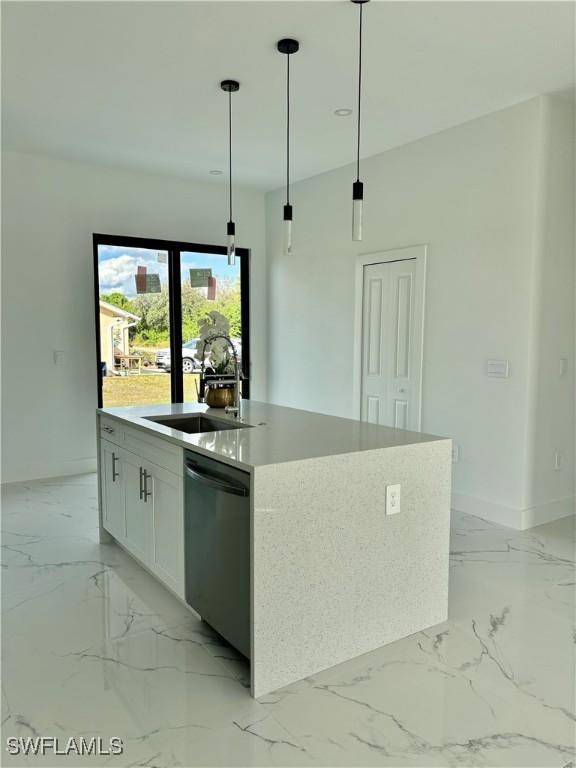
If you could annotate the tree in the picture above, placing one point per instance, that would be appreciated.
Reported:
(153, 309)
(118, 299)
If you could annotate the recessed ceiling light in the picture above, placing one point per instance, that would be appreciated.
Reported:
(216, 172)
(342, 112)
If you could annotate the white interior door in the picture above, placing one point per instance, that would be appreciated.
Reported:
(392, 316)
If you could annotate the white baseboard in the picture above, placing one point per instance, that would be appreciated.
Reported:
(512, 517)
(37, 471)
(552, 510)
(488, 510)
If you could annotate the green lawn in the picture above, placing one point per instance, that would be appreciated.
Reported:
(143, 389)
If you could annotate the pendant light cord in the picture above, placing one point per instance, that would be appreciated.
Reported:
(230, 149)
(359, 93)
(288, 129)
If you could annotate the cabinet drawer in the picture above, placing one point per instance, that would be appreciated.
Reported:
(111, 430)
(155, 449)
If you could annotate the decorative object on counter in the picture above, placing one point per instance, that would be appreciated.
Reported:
(220, 395)
(216, 390)
(213, 332)
(230, 87)
(288, 47)
(358, 186)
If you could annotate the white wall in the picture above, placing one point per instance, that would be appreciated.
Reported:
(50, 210)
(470, 194)
(549, 492)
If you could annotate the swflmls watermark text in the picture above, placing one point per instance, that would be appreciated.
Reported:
(55, 745)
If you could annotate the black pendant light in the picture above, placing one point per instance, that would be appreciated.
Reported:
(230, 87)
(288, 47)
(358, 186)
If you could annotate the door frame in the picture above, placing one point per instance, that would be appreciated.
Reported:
(419, 253)
(174, 249)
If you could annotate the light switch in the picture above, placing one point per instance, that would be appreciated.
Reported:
(563, 366)
(558, 461)
(499, 369)
(392, 499)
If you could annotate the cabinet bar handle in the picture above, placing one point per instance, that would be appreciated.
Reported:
(141, 485)
(147, 493)
(114, 473)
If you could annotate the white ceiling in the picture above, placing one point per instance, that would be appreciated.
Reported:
(136, 84)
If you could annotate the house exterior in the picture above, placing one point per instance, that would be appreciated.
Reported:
(114, 332)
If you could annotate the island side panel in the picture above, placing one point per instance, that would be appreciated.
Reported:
(333, 576)
(103, 536)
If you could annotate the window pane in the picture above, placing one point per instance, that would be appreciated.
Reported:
(134, 325)
(208, 284)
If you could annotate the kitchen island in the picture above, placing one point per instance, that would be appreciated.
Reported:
(347, 524)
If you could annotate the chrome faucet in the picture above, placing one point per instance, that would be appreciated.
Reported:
(236, 409)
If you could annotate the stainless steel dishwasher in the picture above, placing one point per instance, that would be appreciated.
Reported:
(217, 546)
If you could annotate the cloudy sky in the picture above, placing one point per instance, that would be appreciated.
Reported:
(118, 266)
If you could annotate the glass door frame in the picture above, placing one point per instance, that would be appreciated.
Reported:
(174, 248)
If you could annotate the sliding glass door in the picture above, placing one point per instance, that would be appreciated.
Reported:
(151, 299)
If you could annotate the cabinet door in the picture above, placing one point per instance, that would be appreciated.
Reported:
(138, 511)
(111, 477)
(168, 529)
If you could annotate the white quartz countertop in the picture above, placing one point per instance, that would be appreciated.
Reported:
(277, 434)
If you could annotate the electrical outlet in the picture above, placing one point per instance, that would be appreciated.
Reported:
(455, 452)
(59, 357)
(392, 499)
(557, 460)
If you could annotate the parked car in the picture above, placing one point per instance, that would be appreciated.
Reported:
(189, 362)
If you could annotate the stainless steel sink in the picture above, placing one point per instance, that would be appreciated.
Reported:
(195, 423)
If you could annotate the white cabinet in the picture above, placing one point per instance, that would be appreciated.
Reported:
(138, 508)
(113, 517)
(168, 528)
(143, 504)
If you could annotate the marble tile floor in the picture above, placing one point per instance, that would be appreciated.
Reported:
(93, 646)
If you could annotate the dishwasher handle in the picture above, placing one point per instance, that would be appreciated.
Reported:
(221, 485)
